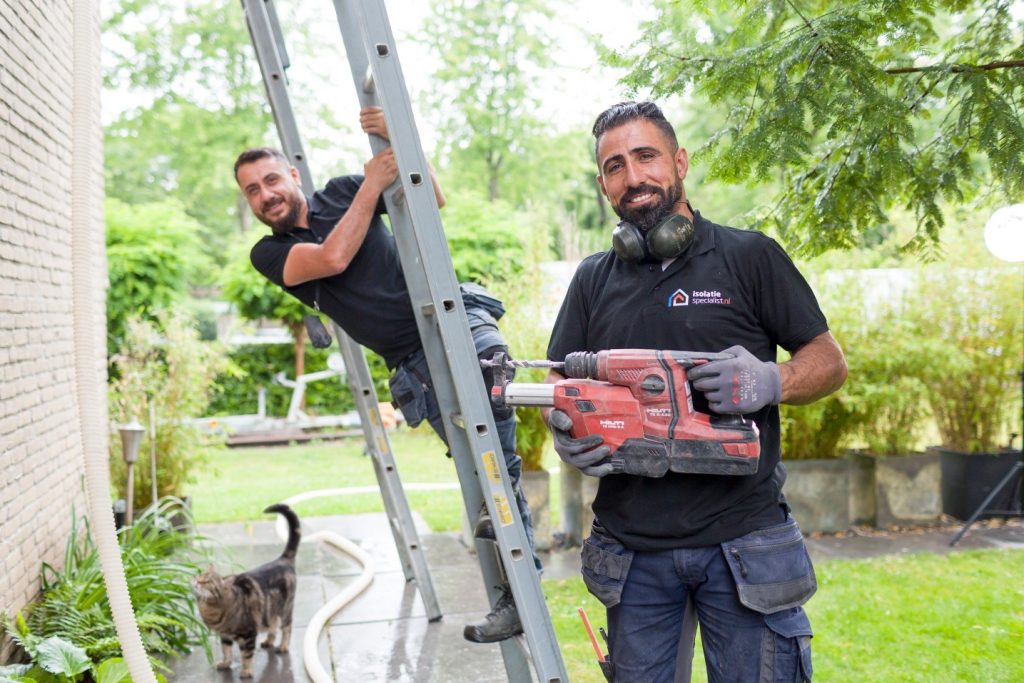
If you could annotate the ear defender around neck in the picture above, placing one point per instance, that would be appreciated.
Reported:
(666, 240)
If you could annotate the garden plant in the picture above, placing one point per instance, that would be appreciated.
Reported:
(68, 634)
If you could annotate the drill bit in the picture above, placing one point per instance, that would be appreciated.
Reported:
(509, 362)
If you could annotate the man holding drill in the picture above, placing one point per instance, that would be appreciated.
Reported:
(723, 545)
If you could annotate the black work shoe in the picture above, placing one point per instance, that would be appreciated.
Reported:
(502, 623)
(484, 528)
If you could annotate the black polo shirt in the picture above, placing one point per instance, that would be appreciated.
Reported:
(730, 287)
(370, 299)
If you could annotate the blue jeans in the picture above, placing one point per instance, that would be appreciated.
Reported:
(426, 407)
(747, 593)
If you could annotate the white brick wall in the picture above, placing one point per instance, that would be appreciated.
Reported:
(41, 452)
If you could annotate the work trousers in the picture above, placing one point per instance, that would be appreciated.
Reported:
(747, 593)
(419, 402)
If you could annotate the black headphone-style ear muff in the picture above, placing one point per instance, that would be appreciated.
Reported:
(668, 239)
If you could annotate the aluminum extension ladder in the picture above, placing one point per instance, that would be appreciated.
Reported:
(443, 328)
(270, 52)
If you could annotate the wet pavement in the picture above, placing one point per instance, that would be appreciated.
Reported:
(384, 635)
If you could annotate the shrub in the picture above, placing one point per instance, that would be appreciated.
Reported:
(822, 429)
(166, 366)
(970, 323)
(527, 336)
(939, 343)
(73, 616)
(154, 252)
(254, 366)
(816, 430)
(885, 395)
(485, 238)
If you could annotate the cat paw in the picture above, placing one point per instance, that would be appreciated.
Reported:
(267, 644)
(245, 674)
(282, 650)
(223, 666)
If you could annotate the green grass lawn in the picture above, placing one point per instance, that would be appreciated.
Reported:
(927, 618)
(241, 482)
(922, 618)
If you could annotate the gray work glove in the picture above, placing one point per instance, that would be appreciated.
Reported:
(589, 454)
(738, 385)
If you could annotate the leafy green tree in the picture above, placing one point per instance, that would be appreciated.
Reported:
(490, 52)
(154, 252)
(854, 109)
(193, 69)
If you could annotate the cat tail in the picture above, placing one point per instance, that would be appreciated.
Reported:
(294, 533)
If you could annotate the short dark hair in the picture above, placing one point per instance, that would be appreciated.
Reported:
(624, 112)
(257, 153)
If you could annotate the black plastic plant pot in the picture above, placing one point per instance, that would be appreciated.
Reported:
(969, 478)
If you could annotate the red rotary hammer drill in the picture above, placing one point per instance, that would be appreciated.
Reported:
(639, 401)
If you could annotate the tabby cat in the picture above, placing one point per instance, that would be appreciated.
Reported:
(240, 606)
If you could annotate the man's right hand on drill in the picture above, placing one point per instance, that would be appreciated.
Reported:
(588, 454)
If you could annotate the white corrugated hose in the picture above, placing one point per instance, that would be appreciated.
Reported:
(310, 654)
(86, 258)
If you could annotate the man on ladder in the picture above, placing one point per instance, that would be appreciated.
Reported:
(332, 252)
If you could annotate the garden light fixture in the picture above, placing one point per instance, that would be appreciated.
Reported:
(131, 440)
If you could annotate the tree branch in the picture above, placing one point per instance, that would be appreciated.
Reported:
(958, 68)
(802, 17)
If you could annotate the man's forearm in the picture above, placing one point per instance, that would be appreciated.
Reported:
(816, 370)
(348, 234)
(314, 261)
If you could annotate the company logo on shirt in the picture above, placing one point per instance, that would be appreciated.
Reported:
(697, 297)
(678, 298)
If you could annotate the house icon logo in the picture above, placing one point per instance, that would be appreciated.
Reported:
(678, 298)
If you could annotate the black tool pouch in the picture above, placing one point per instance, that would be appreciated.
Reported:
(771, 567)
(605, 565)
(408, 395)
(318, 335)
(315, 330)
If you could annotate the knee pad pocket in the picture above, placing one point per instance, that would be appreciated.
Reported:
(786, 649)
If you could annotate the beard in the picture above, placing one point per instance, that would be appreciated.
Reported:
(649, 215)
(285, 223)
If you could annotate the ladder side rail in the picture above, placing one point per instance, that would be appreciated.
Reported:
(436, 299)
(403, 527)
(260, 20)
(358, 61)
(268, 55)
(460, 390)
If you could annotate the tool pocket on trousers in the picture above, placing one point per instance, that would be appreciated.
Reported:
(771, 567)
(408, 395)
(790, 654)
(605, 565)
